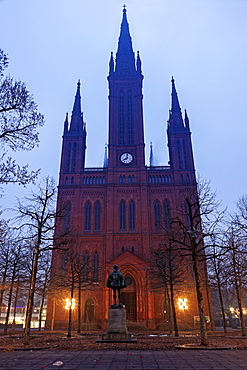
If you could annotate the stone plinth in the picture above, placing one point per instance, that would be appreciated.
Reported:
(117, 330)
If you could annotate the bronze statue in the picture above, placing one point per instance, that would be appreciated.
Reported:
(116, 282)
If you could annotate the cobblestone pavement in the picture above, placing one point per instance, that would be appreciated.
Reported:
(119, 360)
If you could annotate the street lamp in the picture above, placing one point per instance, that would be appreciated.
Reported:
(182, 305)
(69, 303)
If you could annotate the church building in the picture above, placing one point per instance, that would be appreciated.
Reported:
(116, 213)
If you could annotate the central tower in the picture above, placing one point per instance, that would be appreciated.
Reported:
(126, 138)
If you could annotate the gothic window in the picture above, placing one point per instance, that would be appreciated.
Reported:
(181, 178)
(179, 154)
(88, 209)
(167, 213)
(74, 158)
(68, 158)
(85, 269)
(130, 119)
(122, 249)
(157, 215)
(64, 261)
(72, 180)
(132, 221)
(187, 216)
(188, 177)
(132, 178)
(66, 180)
(121, 117)
(122, 215)
(96, 267)
(132, 249)
(97, 216)
(67, 214)
(185, 155)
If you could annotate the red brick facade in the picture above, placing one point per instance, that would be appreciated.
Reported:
(116, 212)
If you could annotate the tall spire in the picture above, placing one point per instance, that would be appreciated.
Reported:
(175, 119)
(76, 123)
(125, 59)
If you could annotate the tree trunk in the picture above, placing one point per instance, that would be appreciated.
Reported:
(15, 304)
(9, 300)
(41, 310)
(175, 324)
(3, 286)
(79, 308)
(70, 310)
(53, 313)
(203, 331)
(30, 297)
(221, 303)
(237, 281)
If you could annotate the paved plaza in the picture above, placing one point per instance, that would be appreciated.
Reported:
(118, 360)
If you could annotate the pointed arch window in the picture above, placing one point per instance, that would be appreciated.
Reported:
(185, 155)
(132, 218)
(122, 215)
(74, 157)
(67, 214)
(187, 215)
(121, 117)
(68, 158)
(167, 213)
(88, 210)
(97, 216)
(157, 215)
(96, 267)
(85, 269)
(180, 164)
(130, 118)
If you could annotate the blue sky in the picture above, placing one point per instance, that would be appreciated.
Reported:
(202, 43)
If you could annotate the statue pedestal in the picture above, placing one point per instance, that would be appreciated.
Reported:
(117, 330)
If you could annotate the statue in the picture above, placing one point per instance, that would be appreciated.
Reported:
(116, 282)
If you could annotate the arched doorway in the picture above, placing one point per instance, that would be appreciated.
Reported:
(89, 311)
(128, 298)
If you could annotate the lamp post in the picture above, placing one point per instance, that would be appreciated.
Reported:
(69, 305)
(182, 305)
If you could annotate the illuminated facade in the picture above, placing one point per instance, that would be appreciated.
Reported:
(117, 211)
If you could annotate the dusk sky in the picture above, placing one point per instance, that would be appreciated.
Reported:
(202, 43)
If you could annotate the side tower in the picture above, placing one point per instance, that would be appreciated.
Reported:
(179, 143)
(73, 145)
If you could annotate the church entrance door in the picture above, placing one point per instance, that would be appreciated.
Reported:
(128, 298)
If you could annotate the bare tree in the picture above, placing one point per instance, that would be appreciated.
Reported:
(167, 273)
(197, 217)
(43, 281)
(19, 121)
(36, 216)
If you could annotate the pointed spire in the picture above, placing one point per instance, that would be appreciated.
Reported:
(175, 103)
(77, 104)
(125, 60)
(111, 64)
(138, 63)
(175, 115)
(105, 163)
(186, 120)
(151, 157)
(76, 123)
(66, 124)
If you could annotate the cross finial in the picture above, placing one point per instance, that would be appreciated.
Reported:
(124, 6)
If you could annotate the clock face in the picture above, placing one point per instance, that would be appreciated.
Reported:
(126, 158)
